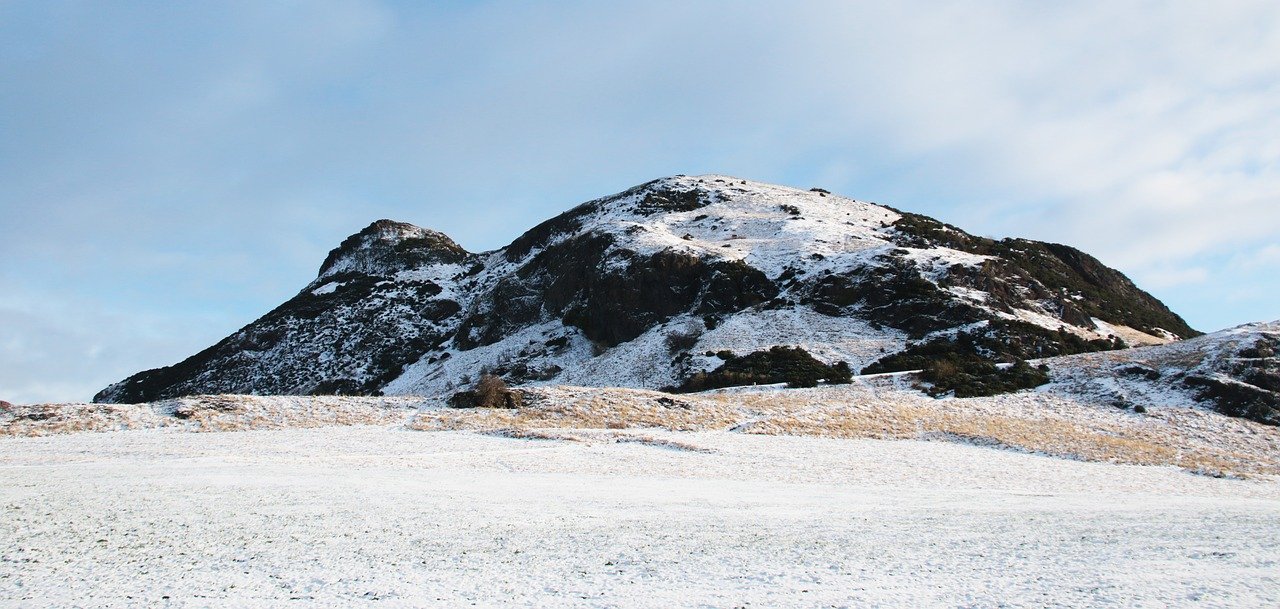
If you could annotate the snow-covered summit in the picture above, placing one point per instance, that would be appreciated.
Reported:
(726, 218)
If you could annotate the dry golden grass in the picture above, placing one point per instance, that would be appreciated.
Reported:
(55, 419)
(213, 413)
(591, 409)
(1090, 434)
(237, 413)
(1050, 436)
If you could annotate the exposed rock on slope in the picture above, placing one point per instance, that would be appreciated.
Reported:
(382, 299)
(1235, 371)
(645, 287)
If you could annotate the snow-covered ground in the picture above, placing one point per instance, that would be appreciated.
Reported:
(388, 517)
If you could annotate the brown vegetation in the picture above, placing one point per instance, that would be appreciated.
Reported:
(490, 391)
(1195, 440)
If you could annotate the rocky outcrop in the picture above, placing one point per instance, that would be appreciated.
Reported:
(1074, 283)
(386, 247)
(611, 295)
(1235, 372)
(1245, 383)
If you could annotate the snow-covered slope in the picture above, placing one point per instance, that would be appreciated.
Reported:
(648, 286)
(1235, 371)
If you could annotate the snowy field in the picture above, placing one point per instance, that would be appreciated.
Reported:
(383, 516)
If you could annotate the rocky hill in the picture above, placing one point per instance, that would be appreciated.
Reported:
(654, 286)
(1235, 372)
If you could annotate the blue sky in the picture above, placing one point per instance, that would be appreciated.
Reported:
(171, 171)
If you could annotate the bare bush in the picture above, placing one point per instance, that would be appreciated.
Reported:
(490, 391)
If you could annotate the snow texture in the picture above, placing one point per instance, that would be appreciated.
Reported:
(1151, 376)
(370, 516)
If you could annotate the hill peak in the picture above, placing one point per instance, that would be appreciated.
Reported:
(387, 246)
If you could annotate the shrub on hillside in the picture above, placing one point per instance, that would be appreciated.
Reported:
(996, 341)
(490, 391)
(971, 376)
(682, 339)
(791, 365)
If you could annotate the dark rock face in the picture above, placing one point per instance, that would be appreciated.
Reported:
(791, 365)
(612, 296)
(998, 340)
(658, 200)
(679, 256)
(1238, 399)
(1076, 283)
(893, 294)
(541, 235)
(1246, 386)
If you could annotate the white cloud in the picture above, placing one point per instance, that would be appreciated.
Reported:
(1167, 276)
(1266, 258)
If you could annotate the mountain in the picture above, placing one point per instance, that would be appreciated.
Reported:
(654, 285)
